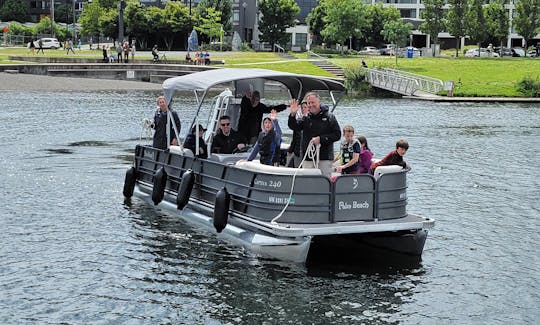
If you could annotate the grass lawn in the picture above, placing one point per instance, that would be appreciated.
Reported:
(483, 77)
(472, 76)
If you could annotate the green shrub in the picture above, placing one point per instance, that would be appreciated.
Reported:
(529, 87)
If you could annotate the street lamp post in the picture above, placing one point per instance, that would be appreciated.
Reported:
(244, 5)
(121, 7)
(52, 18)
(74, 20)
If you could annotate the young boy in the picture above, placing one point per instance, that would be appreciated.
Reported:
(395, 157)
(269, 142)
(350, 152)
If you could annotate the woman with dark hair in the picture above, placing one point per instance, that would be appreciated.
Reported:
(364, 162)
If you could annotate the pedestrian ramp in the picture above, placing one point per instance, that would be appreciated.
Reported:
(405, 83)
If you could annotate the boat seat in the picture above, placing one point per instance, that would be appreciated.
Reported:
(256, 166)
(386, 169)
(181, 151)
(228, 158)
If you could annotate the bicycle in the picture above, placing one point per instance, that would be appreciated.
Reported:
(162, 58)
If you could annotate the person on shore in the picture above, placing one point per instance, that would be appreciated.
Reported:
(319, 127)
(350, 152)
(126, 48)
(69, 46)
(190, 142)
(269, 142)
(188, 58)
(155, 53)
(40, 46)
(294, 157)
(119, 50)
(364, 162)
(251, 113)
(160, 125)
(395, 157)
(105, 56)
(226, 139)
(133, 50)
(32, 46)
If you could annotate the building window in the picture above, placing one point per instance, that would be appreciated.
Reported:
(300, 39)
(236, 15)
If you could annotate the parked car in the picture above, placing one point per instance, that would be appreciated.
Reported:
(48, 43)
(369, 50)
(483, 53)
(387, 49)
(518, 52)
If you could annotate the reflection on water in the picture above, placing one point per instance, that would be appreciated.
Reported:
(73, 251)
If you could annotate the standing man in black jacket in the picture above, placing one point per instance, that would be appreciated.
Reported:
(319, 127)
(160, 125)
(251, 112)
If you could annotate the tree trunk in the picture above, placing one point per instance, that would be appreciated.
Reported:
(457, 47)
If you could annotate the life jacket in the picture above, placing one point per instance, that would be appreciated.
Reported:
(347, 153)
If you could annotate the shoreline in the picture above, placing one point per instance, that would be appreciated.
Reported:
(31, 82)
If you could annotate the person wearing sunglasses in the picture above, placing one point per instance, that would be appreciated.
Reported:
(226, 139)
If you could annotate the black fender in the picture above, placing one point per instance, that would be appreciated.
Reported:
(185, 188)
(129, 182)
(160, 180)
(221, 209)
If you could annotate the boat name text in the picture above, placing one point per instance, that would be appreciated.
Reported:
(354, 205)
(270, 183)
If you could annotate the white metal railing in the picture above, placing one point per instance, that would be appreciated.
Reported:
(313, 54)
(278, 49)
(426, 84)
(389, 81)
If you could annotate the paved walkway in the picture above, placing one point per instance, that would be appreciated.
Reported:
(19, 81)
(436, 98)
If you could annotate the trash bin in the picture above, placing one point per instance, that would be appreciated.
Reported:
(410, 52)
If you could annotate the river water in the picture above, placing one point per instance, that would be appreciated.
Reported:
(73, 252)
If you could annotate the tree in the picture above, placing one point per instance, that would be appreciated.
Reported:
(108, 23)
(377, 16)
(46, 26)
(456, 21)
(178, 21)
(89, 19)
(137, 22)
(497, 21)
(315, 19)
(527, 19)
(223, 6)
(396, 32)
(344, 19)
(63, 13)
(476, 22)
(277, 16)
(18, 29)
(210, 24)
(15, 10)
(433, 16)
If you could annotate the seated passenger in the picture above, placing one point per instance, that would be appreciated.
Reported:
(226, 139)
(190, 142)
(364, 162)
(269, 142)
(350, 152)
(395, 157)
